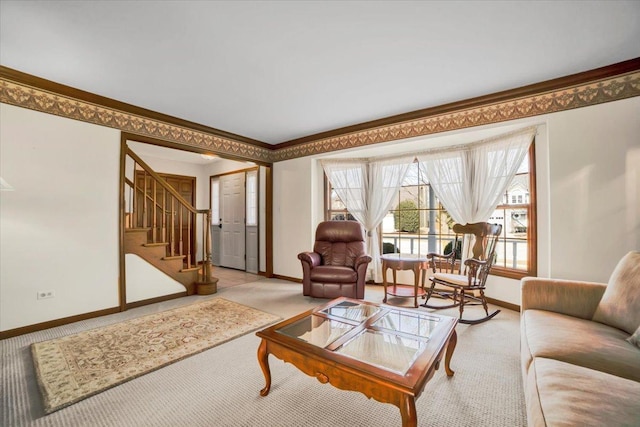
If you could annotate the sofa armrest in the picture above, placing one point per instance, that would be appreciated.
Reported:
(312, 258)
(570, 297)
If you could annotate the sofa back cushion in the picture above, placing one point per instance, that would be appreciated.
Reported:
(620, 304)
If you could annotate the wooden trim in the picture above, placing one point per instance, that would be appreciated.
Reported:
(168, 144)
(606, 84)
(57, 322)
(290, 279)
(50, 86)
(508, 273)
(269, 220)
(480, 101)
(156, 299)
(493, 301)
(122, 279)
(245, 170)
(504, 304)
(532, 243)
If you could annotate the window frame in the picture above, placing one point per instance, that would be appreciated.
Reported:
(532, 229)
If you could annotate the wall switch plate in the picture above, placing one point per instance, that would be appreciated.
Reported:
(45, 294)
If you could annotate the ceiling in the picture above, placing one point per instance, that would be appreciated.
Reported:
(275, 71)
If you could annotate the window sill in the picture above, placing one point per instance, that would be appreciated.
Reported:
(509, 273)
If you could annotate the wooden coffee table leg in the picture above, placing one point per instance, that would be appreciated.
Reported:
(450, 348)
(263, 359)
(408, 411)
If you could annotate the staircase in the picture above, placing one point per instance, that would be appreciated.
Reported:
(159, 225)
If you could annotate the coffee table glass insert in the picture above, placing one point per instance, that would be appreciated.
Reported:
(316, 330)
(382, 336)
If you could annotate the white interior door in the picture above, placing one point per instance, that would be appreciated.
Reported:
(232, 209)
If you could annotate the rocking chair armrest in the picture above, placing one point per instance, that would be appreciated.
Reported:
(475, 262)
(311, 258)
(432, 255)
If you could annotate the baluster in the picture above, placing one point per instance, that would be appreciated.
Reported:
(164, 215)
(173, 227)
(155, 220)
(206, 243)
(130, 216)
(189, 240)
(144, 200)
(180, 222)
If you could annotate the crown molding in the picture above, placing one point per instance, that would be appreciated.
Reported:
(606, 84)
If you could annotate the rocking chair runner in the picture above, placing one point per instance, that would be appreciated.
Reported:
(461, 275)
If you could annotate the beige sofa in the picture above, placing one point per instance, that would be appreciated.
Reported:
(580, 349)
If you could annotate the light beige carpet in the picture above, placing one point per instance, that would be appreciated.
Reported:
(75, 367)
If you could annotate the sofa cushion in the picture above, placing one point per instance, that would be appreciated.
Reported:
(620, 304)
(580, 342)
(635, 338)
(570, 395)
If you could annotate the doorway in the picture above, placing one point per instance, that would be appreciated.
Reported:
(235, 231)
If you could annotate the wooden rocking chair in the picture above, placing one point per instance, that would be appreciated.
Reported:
(460, 276)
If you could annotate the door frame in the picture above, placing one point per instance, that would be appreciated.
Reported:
(267, 216)
(127, 136)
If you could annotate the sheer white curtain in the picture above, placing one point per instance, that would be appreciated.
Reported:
(385, 178)
(350, 180)
(470, 181)
(367, 189)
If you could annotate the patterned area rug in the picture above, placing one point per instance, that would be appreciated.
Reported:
(75, 367)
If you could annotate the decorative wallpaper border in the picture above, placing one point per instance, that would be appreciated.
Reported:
(597, 92)
(60, 105)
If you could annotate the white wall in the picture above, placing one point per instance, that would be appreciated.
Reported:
(588, 188)
(294, 218)
(144, 281)
(595, 188)
(59, 227)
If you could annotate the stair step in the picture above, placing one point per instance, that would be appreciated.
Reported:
(150, 245)
(174, 257)
(184, 270)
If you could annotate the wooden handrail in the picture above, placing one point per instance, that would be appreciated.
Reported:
(135, 187)
(163, 183)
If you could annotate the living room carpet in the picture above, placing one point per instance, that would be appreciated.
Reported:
(75, 367)
(221, 386)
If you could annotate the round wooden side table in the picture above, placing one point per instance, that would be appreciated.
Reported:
(404, 262)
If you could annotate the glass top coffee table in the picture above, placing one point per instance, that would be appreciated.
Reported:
(386, 353)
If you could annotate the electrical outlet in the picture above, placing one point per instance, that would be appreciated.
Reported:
(45, 294)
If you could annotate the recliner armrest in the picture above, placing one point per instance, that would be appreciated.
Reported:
(312, 258)
(570, 297)
(363, 259)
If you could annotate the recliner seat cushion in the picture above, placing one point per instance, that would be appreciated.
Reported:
(580, 342)
(333, 274)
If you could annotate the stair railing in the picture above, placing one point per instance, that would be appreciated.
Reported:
(158, 206)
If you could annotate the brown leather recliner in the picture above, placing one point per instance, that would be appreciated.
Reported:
(338, 264)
